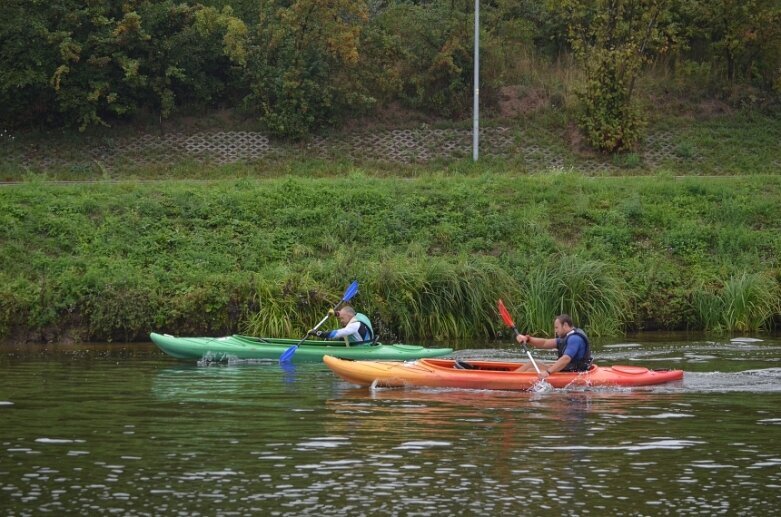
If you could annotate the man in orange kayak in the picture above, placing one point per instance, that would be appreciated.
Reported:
(571, 344)
(357, 328)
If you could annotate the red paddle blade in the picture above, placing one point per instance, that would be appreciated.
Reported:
(508, 320)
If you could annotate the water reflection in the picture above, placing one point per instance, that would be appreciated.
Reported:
(558, 444)
(230, 383)
(508, 416)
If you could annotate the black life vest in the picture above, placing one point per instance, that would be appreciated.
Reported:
(576, 365)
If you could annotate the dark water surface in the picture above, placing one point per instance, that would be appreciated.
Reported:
(122, 429)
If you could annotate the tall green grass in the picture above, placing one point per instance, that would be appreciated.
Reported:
(407, 297)
(436, 297)
(588, 290)
(746, 303)
(285, 303)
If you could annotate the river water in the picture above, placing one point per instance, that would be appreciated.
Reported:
(123, 429)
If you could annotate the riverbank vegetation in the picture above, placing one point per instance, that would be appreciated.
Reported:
(684, 234)
(112, 261)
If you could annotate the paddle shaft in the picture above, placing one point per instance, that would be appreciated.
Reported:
(321, 322)
(508, 320)
(529, 354)
(348, 294)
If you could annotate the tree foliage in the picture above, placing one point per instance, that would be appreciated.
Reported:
(437, 59)
(741, 39)
(85, 64)
(613, 39)
(301, 65)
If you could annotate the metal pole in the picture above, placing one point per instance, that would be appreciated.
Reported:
(476, 97)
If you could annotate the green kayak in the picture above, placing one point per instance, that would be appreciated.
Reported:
(245, 347)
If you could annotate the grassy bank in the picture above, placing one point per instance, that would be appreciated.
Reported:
(432, 254)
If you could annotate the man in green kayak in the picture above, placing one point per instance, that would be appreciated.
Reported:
(357, 328)
(571, 344)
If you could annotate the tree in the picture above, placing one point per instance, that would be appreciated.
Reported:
(303, 64)
(612, 39)
(436, 61)
(85, 63)
(741, 38)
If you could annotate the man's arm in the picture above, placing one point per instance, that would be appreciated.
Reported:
(349, 329)
(560, 364)
(539, 342)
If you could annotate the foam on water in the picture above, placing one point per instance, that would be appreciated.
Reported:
(57, 440)
(667, 444)
(423, 444)
(660, 416)
(766, 380)
(327, 442)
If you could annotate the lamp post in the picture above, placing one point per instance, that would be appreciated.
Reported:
(476, 95)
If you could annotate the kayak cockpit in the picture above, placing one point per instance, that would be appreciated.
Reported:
(483, 366)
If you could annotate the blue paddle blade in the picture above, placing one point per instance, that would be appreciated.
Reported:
(351, 290)
(288, 354)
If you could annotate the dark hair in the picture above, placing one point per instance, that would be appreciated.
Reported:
(565, 319)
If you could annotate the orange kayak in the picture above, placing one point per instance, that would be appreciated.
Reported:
(487, 375)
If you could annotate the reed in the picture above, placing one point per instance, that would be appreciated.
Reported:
(406, 298)
(709, 309)
(288, 303)
(747, 302)
(588, 290)
(436, 298)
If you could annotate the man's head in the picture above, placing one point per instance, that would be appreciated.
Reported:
(345, 314)
(562, 325)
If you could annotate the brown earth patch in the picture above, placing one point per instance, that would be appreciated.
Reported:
(391, 115)
(515, 101)
(710, 107)
(689, 108)
(577, 141)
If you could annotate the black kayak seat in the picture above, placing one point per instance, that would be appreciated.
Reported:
(458, 364)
